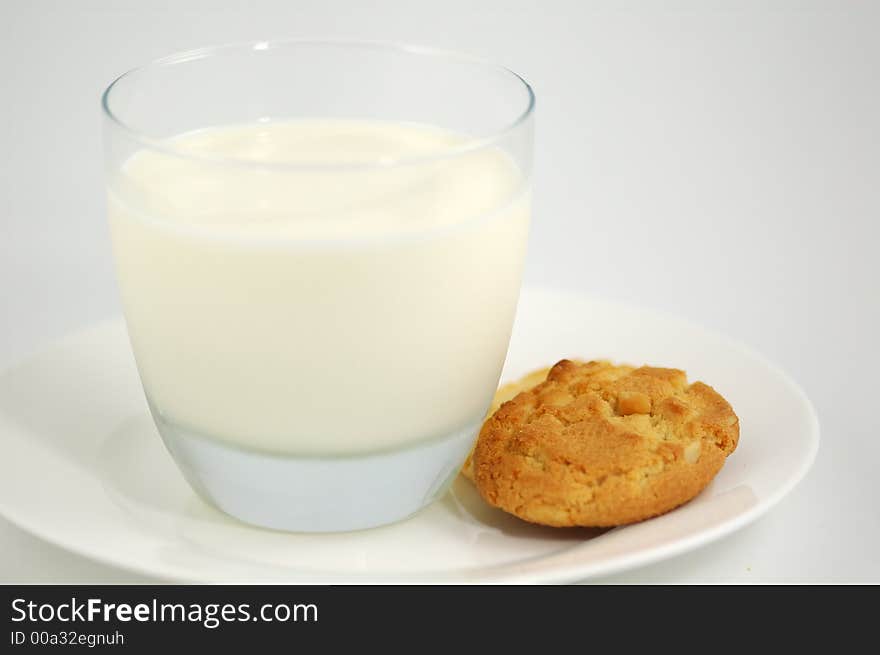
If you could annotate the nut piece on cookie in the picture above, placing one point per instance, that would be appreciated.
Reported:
(596, 444)
(633, 402)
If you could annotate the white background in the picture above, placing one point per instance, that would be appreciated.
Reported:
(720, 161)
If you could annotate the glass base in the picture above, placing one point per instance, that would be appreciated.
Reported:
(317, 494)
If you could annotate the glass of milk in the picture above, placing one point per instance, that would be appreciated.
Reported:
(318, 247)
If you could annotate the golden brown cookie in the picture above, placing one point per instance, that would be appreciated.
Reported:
(505, 392)
(602, 445)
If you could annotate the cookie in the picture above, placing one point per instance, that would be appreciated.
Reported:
(505, 392)
(603, 445)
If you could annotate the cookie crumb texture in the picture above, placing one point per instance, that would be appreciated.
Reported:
(602, 445)
(505, 392)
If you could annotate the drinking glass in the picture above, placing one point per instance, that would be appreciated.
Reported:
(318, 247)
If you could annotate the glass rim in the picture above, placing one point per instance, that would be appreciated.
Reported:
(472, 145)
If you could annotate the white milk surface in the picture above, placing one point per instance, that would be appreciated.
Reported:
(319, 288)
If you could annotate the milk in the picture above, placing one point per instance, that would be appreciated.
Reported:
(319, 288)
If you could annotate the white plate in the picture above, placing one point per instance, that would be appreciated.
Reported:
(84, 468)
